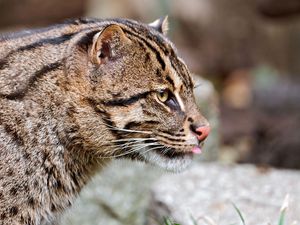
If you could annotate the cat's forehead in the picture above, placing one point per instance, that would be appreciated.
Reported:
(150, 33)
(176, 68)
(165, 56)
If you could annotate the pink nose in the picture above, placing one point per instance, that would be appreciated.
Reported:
(202, 132)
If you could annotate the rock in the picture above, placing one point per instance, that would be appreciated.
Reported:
(117, 196)
(210, 189)
(120, 195)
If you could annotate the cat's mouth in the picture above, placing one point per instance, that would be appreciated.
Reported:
(169, 158)
(171, 153)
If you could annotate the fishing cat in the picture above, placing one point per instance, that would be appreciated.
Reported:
(74, 96)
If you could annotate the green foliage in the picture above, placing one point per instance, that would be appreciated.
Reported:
(168, 221)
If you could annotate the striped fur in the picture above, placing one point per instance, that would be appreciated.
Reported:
(76, 95)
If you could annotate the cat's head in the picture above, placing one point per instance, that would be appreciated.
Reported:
(141, 94)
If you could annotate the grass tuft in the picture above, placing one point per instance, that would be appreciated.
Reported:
(209, 221)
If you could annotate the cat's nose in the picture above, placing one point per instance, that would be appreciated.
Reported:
(201, 131)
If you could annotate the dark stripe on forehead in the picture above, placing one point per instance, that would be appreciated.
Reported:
(182, 72)
(186, 72)
(143, 46)
(146, 32)
(159, 41)
(152, 48)
(169, 52)
(38, 74)
(126, 101)
(136, 31)
(180, 69)
(188, 75)
(168, 78)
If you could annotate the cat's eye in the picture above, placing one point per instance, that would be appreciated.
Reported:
(163, 95)
(168, 98)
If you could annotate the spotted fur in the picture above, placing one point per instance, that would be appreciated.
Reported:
(76, 95)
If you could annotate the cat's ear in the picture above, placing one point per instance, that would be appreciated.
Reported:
(107, 43)
(161, 25)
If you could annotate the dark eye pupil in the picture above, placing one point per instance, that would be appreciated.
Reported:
(162, 93)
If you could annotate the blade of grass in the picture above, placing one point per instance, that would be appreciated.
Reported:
(281, 218)
(283, 209)
(239, 213)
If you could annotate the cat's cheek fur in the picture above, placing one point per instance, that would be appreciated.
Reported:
(176, 164)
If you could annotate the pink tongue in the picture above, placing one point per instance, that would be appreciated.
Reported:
(196, 150)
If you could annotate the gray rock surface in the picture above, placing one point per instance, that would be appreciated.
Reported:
(209, 189)
(120, 194)
(117, 196)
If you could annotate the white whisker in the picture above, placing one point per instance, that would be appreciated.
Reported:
(129, 144)
(153, 148)
(132, 139)
(136, 148)
(127, 130)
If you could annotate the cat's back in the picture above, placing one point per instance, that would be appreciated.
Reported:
(27, 54)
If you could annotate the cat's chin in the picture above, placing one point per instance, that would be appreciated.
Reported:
(173, 163)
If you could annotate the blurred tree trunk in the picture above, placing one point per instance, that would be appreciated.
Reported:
(278, 8)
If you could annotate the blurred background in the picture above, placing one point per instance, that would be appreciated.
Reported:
(245, 54)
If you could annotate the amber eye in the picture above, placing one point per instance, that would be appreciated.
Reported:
(163, 95)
